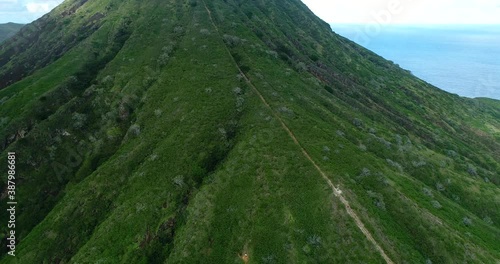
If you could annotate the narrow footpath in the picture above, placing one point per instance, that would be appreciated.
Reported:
(336, 190)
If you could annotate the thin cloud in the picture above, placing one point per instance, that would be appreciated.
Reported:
(38, 7)
(25, 11)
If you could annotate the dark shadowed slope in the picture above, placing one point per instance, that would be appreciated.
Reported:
(197, 131)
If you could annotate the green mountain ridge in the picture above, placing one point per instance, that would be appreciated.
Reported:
(196, 131)
(7, 30)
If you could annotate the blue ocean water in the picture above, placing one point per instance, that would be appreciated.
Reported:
(464, 60)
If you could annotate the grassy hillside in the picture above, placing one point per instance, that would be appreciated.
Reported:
(197, 131)
(8, 30)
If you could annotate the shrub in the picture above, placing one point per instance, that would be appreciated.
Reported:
(163, 59)
(231, 40)
(378, 199)
(237, 91)
(239, 102)
(399, 140)
(395, 165)
(301, 66)
(472, 170)
(384, 181)
(240, 77)
(272, 53)
(134, 130)
(467, 221)
(107, 81)
(452, 154)
(357, 122)
(178, 29)
(123, 112)
(148, 81)
(365, 172)
(386, 143)
(153, 157)
(440, 187)
(168, 49)
(5, 98)
(113, 133)
(286, 110)
(306, 249)
(419, 163)
(178, 181)
(436, 204)
(380, 204)
(362, 147)
(78, 120)
(427, 192)
(314, 240)
(488, 220)
(165, 55)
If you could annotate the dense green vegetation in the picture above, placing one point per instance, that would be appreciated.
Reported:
(151, 132)
(7, 30)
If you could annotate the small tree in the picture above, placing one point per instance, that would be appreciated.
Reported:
(467, 221)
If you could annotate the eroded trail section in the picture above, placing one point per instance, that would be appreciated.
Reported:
(336, 190)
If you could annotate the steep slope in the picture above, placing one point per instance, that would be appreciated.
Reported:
(7, 30)
(194, 131)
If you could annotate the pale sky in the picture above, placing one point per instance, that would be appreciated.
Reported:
(407, 11)
(332, 11)
(25, 11)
